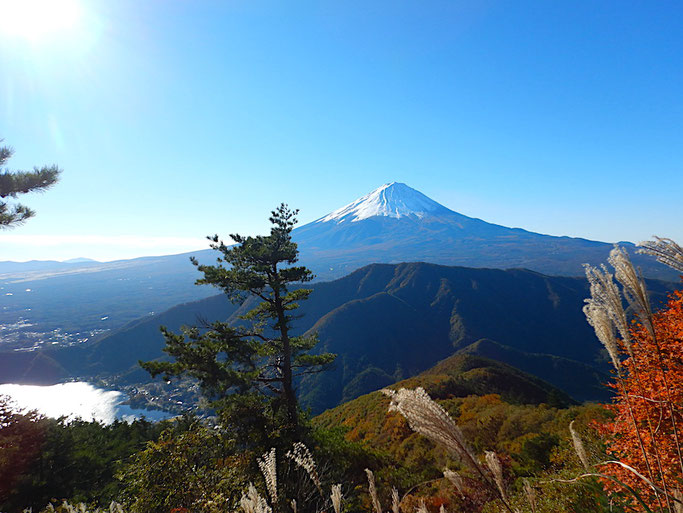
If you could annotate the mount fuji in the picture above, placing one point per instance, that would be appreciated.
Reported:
(394, 199)
(396, 223)
(55, 303)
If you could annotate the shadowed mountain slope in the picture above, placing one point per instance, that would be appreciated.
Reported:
(581, 381)
(412, 315)
(388, 322)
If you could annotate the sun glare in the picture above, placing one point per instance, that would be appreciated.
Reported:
(39, 20)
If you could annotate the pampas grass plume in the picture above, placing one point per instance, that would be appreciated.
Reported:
(456, 479)
(496, 468)
(336, 498)
(428, 418)
(578, 447)
(373, 491)
(303, 457)
(665, 251)
(395, 501)
(268, 466)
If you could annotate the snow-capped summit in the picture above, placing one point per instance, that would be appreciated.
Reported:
(396, 223)
(390, 200)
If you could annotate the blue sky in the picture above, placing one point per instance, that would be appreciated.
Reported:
(174, 120)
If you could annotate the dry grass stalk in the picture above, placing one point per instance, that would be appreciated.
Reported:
(530, 495)
(303, 457)
(605, 312)
(665, 251)
(496, 468)
(422, 507)
(578, 447)
(640, 476)
(429, 419)
(678, 505)
(633, 286)
(252, 502)
(268, 467)
(336, 498)
(605, 295)
(456, 479)
(598, 318)
(395, 501)
(293, 504)
(373, 491)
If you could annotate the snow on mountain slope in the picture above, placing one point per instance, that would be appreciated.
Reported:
(390, 200)
(396, 223)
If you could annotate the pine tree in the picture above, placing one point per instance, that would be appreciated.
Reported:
(251, 368)
(13, 183)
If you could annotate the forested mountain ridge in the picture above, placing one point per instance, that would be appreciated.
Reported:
(409, 316)
(581, 381)
(496, 407)
(460, 375)
(387, 322)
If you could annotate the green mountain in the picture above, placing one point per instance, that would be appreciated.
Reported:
(581, 381)
(388, 322)
(458, 376)
(408, 316)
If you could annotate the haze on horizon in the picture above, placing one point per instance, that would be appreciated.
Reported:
(176, 120)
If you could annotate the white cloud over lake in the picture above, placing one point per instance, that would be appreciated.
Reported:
(74, 400)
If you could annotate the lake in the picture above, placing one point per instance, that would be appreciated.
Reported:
(77, 400)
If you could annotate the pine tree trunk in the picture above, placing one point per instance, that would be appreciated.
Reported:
(287, 385)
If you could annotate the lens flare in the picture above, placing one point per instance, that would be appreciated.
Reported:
(39, 20)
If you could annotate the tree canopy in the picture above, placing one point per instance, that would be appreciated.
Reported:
(14, 183)
(249, 370)
(645, 438)
(648, 392)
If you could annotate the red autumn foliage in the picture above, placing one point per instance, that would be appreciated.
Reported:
(435, 503)
(649, 403)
